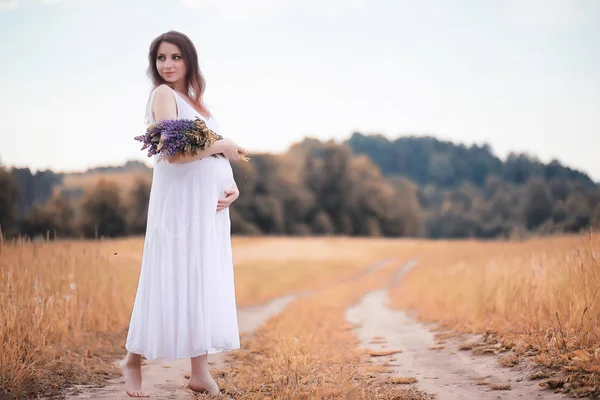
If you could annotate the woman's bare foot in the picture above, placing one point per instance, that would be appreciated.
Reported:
(203, 384)
(132, 372)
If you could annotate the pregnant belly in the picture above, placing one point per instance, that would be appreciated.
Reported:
(209, 170)
(187, 194)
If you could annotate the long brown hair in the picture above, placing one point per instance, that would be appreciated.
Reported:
(194, 81)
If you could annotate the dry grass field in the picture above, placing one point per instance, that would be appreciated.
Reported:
(538, 297)
(66, 305)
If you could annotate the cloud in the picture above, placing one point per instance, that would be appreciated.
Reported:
(12, 4)
(243, 9)
(235, 8)
(552, 14)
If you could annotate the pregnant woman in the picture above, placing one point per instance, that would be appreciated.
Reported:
(185, 304)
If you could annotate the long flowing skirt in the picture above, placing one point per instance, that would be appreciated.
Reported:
(185, 302)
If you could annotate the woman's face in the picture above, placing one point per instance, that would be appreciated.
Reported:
(169, 62)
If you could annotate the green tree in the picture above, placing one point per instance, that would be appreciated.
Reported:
(103, 213)
(56, 218)
(595, 217)
(34, 188)
(137, 206)
(579, 212)
(406, 217)
(537, 206)
(322, 224)
(9, 195)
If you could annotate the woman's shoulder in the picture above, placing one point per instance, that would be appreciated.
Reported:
(163, 89)
(162, 97)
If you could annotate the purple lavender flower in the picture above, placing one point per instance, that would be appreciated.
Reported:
(169, 137)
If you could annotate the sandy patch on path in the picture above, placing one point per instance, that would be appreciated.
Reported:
(447, 372)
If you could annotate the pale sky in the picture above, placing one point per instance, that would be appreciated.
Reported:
(520, 75)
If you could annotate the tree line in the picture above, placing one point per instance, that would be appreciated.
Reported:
(444, 164)
(367, 186)
(467, 191)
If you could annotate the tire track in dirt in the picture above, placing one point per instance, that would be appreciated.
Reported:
(167, 380)
(449, 373)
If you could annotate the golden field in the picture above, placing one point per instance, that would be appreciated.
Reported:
(66, 306)
(67, 303)
(539, 297)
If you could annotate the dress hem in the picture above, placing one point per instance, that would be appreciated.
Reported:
(212, 350)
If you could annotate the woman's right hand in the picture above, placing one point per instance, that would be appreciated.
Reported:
(232, 150)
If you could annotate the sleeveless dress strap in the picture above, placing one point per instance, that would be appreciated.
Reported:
(149, 117)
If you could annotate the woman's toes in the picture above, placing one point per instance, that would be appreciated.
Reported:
(137, 394)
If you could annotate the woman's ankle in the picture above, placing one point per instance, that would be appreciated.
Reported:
(199, 367)
(200, 375)
(132, 360)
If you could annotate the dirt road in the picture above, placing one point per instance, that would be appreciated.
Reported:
(449, 373)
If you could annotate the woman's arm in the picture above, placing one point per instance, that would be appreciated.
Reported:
(225, 146)
(164, 107)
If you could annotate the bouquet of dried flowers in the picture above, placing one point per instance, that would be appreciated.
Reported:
(172, 136)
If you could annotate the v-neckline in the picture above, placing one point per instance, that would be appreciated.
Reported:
(189, 105)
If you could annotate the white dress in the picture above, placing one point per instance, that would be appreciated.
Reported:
(185, 302)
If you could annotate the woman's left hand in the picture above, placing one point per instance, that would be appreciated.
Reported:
(230, 196)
